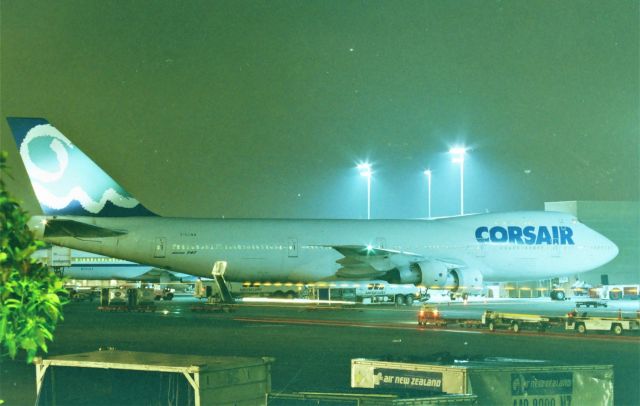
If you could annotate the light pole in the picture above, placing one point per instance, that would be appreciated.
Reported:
(428, 174)
(365, 170)
(458, 158)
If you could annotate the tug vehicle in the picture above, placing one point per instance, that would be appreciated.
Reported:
(580, 322)
(430, 316)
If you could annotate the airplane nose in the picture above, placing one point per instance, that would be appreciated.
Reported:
(609, 249)
(613, 249)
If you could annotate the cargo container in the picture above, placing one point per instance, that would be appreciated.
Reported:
(359, 399)
(494, 382)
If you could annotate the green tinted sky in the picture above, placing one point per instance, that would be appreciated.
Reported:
(261, 109)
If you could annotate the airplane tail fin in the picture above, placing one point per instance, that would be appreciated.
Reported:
(65, 180)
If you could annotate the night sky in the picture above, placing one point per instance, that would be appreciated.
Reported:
(263, 109)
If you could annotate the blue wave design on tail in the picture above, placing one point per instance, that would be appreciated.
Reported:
(65, 180)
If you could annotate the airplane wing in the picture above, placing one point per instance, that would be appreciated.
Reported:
(361, 261)
(366, 262)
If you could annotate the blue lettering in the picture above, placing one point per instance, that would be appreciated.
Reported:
(498, 234)
(556, 235)
(479, 234)
(515, 235)
(543, 236)
(530, 235)
(565, 235)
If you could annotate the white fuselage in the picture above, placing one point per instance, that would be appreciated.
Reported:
(301, 250)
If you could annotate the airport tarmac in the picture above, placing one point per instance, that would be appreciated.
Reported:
(313, 344)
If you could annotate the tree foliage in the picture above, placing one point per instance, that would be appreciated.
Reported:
(31, 297)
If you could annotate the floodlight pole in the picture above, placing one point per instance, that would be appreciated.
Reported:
(369, 196)
(428, 173)
(458, 158)
(462, 186)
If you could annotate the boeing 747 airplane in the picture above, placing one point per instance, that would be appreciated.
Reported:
(86, 209)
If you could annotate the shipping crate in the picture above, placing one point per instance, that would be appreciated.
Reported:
(124, 377)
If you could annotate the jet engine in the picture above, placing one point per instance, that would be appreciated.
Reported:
(434, 274)
(466, 281)
(438, 275)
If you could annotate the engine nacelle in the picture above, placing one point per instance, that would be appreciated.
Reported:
(437, 275)
(434, 275)
(466, 281)
(407, 274)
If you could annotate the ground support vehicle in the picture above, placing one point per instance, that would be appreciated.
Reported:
(514, 321)
(164, 294)
(79, 294)
(214, 304)
(123, 299)
(582, 323)
(381, 292)
(430, 316)
(594, 303)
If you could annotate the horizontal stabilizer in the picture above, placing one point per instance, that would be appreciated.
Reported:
(72, 228)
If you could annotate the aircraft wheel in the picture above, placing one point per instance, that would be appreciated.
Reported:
(516, 328)
(581, 328)
(400, 300)
(617, 329)
(408, 300)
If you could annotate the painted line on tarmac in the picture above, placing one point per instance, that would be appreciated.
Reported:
(323, 322)
(347, 324)
(504, 333)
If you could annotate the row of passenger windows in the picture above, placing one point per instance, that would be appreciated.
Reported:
(93, 260)
(270, 247)
(242, 247)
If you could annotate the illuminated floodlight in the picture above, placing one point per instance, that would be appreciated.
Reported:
(365, 170)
